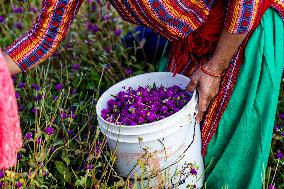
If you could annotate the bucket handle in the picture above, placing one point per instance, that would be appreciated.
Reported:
(177, 161)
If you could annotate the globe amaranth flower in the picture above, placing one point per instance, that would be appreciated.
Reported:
(21, 85)
(19, 156)
(117, 32)
(2, 184)
(38, 140)
(18, 9)
(19, 26)
(28, 136)
(271, 186)
(2, 19)
(2, 174)
(49, 130)
(193, 171)
(279, 155)
(19, 184)
(76, 67)
(59, 86)
(63, 115)
(35, 86)
(35, 111)
(17, 95)
(21, 107)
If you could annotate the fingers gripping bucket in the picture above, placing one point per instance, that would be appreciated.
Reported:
(164, 153)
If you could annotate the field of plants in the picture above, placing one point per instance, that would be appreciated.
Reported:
(62, 145)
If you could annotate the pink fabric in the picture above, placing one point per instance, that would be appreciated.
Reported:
(10, 131)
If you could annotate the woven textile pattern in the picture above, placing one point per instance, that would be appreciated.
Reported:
(10, 131)
(50, 28)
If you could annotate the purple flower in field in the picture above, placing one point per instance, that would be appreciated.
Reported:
(21, 85)
(89, 26)
(17, 95)
(94, 8)
(193, 171)
(105, 17)
(2, 19)
(21, 107)
(276, 128)
(129, 71)
(35, 86)
(55, 97)
(49, 130)
(2, 184)
(59, 86)
(34, 9)
(19, 26)
(19, 156)
(271, 186)
(279, 155)
(52, 150)
(282, 134)
(18, 184)
(28, 136)
(76, 67)
(45, 173)
(90, 1)
(117, 32)
(281, 116)
(63, 115)
(2, 174)
(70, 132)
(35, 111)
(95, 28)
(18, 9)
(38, 98)
(38, 140)
(90, 167)
(73, 91)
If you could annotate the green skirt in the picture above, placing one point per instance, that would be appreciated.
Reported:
(238, 153)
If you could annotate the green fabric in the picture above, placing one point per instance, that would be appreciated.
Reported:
(240, 148)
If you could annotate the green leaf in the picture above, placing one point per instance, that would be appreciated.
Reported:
(64, 171)
(66, 159)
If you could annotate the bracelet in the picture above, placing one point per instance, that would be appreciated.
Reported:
(212, 74)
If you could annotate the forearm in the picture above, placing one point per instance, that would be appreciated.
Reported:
(41, 41)
(227, 46)
(12, 66)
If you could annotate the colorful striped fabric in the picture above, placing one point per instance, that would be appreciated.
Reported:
(50, 28)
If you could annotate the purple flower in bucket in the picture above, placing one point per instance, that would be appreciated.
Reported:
(193, 171)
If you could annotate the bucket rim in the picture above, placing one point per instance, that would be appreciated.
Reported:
(147, 124)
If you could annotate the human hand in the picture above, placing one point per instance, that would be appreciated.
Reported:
(207, 87)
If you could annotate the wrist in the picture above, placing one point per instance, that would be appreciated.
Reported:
(217, 65)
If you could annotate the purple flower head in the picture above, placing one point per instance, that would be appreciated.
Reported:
(52, 150)
(129, 71)
(59, 86)
(28, 136)
(2, 174)
(90, 167)
(117, 32)
(19, 156)
(282, 134)
(63, 115)
(94, 8)
(38, 98)
(20, 107)
(193, 171)
(35, 111)
(76, 67)
(17, 95)
(70, 132)
(34, 9)
(21, 85)
(281, 116)
(45, 173)
(49, 130)
(95, 28)
(276, 128)
(38, 140)
(279, 155)
(55, 97)
(35, 86)
(2, 19)
(271, 186)
(18, 9)
(18, 184)
(2, 184)
(19, 26)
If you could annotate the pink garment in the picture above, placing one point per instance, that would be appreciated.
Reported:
(10, 131)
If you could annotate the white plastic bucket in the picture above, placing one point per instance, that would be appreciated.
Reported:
(157, 152)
